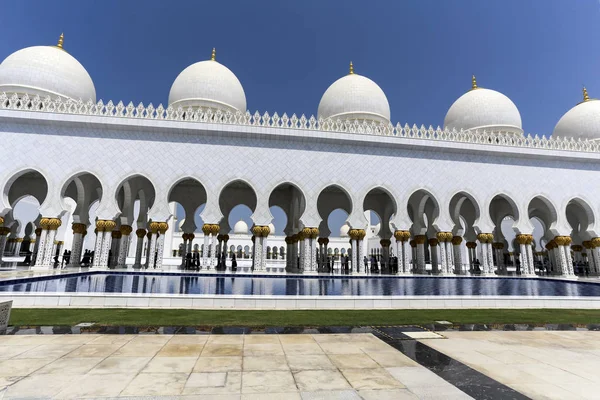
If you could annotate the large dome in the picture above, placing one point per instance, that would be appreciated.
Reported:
(581, 121)
(46, 71)
(208, 84)
(482, 109)
(354, 97)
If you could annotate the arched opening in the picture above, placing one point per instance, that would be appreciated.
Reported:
(233, 194)
(333, 198)
(287, 204)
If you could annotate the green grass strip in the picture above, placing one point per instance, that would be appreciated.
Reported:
(177, 317)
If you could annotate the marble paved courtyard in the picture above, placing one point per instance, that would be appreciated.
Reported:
(540, 365)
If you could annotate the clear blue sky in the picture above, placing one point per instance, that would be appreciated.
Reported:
(286, 53)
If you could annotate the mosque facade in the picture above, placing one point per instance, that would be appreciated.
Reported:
(441, 194)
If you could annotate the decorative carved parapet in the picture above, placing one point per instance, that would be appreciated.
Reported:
(11, 101)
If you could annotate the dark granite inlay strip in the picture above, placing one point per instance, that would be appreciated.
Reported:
(465, 378)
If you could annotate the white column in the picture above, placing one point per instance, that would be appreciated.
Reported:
(79, 231)
(420, 241)
(151, 256)
(49, 250)
(41, 248)
(140, 233)
(456, 245)
(595, 254)
(160, 249)
(360, 251)
(313, 251)
(3, 236)
(530, 264)
(206, 229)
(353, 259)
(106, 246)
(449, 256)
(434, 250)
(481, 239)
(98, 243)
(490, 255)
(124, 246)
(213, 250)
(442, 252)
(406, 255)
(184, 249)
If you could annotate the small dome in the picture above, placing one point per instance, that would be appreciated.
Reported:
(272, 229)
(240, 228)
(208, 84)
(46, 71)
(355, 97)
(486, 109)
(344, 230)
(581, 121)
(376, 228)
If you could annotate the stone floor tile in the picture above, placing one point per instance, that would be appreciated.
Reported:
(388, 394)
(198, 384)
(302, 348)
(265, 363)
(268, 382)
(188, 339)
(74, 339)
(207, 379)
(218, 364)
(40, 386)
(341, 348)
(296, 339)
(582, 390)
(261, 339)
(272, 396)
(352, 361)
(319, 380)
(446, 392)
(180, 350)
(510, 357)
(298, 362)
(91, 350)
(120, 365)
(226, 339)
(146, 339)
(544, 391)
(263, 350)
(156, 385)
(29, 340)
(136, 349)
(22, 367)
(96, 386)
(221, 350)
(393, 358)
(376, 378)
(416, 376)
(552, 375)
(7, 381)
(330, 395)
(170, 365)
(113, 339)
(70, 366)
(48, 351)
(10, 351)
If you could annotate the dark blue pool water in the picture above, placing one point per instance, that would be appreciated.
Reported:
(303, 286)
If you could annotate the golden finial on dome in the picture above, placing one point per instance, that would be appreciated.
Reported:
(61, 40)
(586, 97)
(473, 83)
(351, 68)
(213, 56)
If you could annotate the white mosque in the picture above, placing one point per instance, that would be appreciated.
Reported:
(107, 176)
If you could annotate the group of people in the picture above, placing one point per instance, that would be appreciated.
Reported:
(192, 262)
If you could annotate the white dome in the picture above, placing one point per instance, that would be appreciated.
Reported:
(355, 97)
(344, 230)
(581, 121)
(240, 228)
(486, 109)
(272, 229)
(46, 71)
(208, 84)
